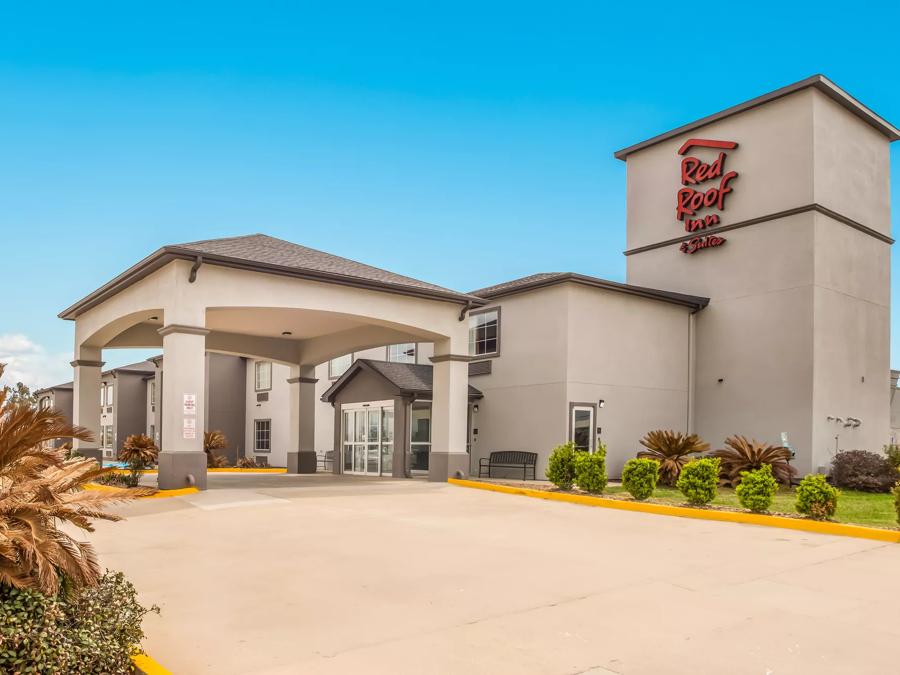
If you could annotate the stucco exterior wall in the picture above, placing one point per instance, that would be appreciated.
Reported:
(226, 407)
(276, 408)
(634, 354)
(799, 305)
(129, 411)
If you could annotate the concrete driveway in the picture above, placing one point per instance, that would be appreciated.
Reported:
(320, 574)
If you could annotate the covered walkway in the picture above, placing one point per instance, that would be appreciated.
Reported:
(269, 299)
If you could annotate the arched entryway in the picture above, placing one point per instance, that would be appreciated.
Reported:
(271, 299)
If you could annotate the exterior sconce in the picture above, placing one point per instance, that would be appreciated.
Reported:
(475, 408)
(286, 332)
(601, 403)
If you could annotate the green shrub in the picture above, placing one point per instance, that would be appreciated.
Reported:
(115, 479)
(561, 466)
(757, 488)
(88, 630)
(639, 477)
(897, 500)
(893, 454)
(590, 470)
(699, 480)
(816, 498)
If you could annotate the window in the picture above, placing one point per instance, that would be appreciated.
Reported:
(45, 402)
(484, 333)
(263, 375)
(153, 434)
(262, 435)
(109, 395)
(153, 393)
(403, 353)
(581, 426)
(338, 366)
(106, 436)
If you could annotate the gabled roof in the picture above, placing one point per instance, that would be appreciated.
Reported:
(63, 386)
(407, 378)
(262, 253)
(820, 82)
(544, 279)
(140, 368)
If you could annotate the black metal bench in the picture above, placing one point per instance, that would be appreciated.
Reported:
(325, 460)
(509, 459)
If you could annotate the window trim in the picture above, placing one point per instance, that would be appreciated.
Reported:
(485, 310)
(594, 436)
(415, 355)
(255, 422)
(352, 356)
(256, 365)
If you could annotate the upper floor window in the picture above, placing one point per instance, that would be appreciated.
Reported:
(403, 353)
(45, 402)
(338, 366)
(263, 375)
(106, 395)
(484, 332)
(152, 393)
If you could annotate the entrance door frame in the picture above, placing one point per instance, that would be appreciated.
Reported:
(365, 406)
(571, 422)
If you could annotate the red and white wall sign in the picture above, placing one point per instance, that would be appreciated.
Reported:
(705, 186)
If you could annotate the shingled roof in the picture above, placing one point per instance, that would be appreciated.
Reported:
(262, 253)
(543, 279)
(407, 378)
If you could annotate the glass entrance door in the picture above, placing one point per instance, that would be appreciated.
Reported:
(368, 439)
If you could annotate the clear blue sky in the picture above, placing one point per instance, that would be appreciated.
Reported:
(378, 131)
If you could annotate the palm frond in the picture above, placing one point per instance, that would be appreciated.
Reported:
(672, 449)
(748, 455)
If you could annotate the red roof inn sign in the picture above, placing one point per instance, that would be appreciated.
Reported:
(704, 187)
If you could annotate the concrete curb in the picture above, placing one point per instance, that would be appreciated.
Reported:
(147, 666)
(818, 526)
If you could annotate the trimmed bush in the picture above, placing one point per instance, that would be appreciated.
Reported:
(816, 498)
(757, 488)
(639, 477)
(892, 452)
(561, 466)
(863, 470)
(699, 480)
(88, 630)
(897, 500)
(590, 470)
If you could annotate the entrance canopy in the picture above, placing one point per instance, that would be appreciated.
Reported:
(270, 299)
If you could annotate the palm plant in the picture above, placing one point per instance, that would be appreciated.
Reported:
(672, 449)
(139, 451)
(39, 490)
(748, 455)
(246, 463)
(212, 441)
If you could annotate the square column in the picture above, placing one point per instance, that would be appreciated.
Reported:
(182, 462)
(86, 401)
(449, 415)
(301, 456)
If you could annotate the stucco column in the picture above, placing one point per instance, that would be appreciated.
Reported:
(301, 456)
(87, 367)
(182, 461)
(449, 413)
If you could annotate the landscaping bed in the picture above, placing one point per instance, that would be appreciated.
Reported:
(854, 507)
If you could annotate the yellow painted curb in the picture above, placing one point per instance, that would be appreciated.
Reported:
(821, 527)
(234, 469)
(161, 494)
(148, 666)
(227, 469)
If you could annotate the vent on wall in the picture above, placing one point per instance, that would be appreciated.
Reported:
(262, 461)
(262, 397)
(480, 368)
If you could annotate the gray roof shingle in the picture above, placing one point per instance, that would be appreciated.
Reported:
(262, 248)
(409, 378)
(543, 279)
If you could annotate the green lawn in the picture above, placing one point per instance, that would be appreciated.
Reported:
(860, 508)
